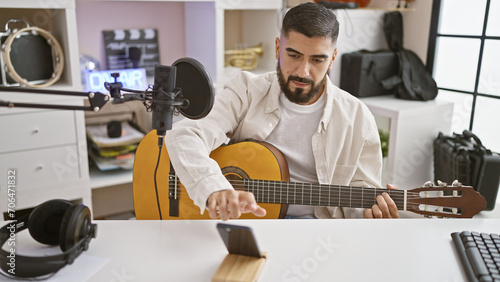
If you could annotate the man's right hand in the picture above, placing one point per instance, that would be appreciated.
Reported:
(232, 203)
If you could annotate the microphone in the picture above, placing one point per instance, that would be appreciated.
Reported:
(186, 86)
(164, 98)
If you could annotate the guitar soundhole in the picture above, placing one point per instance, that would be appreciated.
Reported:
(235, 175)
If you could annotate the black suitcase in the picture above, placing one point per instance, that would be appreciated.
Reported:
(463, 157)
(363, 71)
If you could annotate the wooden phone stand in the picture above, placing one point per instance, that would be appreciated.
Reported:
(240, 268)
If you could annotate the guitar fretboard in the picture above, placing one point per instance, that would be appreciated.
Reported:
(266, 191)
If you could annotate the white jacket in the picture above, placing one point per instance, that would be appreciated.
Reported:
(346, 144)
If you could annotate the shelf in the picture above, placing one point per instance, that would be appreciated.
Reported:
(224, 23)
(100, 179)
(49, 152)
(27, 4)
(59, 19)
(393, 107)
(224, 4)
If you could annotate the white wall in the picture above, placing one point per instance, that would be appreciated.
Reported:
(167, 17)
(416, 24)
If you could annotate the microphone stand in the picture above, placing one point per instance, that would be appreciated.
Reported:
(97, 99)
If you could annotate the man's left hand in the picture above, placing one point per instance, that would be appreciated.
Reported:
(385, 207)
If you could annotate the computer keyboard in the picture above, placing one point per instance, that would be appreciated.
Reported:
(479, 254)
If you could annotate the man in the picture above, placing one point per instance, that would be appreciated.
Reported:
(326, 134)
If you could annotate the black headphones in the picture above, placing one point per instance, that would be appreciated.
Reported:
(55, 222)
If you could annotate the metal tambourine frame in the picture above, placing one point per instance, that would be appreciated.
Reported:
(57, 55)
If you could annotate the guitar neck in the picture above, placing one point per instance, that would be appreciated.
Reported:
(266, 191)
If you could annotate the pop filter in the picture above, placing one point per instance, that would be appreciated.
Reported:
(196, 86)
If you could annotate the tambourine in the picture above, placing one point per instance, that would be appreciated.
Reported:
(55, 64)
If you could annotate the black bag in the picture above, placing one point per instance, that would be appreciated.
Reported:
(414, 81)
(463, 157)
(363, 71)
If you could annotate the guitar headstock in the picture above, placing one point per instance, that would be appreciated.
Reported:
(445, 201)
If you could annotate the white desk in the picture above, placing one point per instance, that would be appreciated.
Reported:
(298, 250)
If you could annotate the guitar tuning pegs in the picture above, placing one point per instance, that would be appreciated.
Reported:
(428, 184)
(442, 184)
(456, 183)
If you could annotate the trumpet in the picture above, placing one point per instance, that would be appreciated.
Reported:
(246, 59)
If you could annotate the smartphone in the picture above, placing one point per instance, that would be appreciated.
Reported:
(239, 240)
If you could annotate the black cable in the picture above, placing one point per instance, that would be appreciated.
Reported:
(160, 145)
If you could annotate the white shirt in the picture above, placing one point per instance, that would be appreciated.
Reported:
(345, 144)
(298, 125)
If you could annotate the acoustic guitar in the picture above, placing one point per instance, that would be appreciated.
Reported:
(261, 169)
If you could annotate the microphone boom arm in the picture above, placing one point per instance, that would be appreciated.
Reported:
(96, 99)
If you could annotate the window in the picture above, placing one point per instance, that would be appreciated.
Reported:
(464, 57)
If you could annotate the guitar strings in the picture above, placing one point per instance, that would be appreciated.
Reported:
(355, 198)
(356, 194)
(288, 185)
(314, 188)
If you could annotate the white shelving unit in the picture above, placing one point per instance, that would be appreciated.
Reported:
(46, 148)
(100, 179)
(222, 24)
(413, 126)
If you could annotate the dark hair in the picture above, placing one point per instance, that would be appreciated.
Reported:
(311, 20)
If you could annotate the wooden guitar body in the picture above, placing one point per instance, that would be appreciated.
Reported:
(248, 164)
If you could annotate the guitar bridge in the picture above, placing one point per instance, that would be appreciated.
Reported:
(173, 193)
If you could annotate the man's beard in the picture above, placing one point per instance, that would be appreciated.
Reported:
(298, 96)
